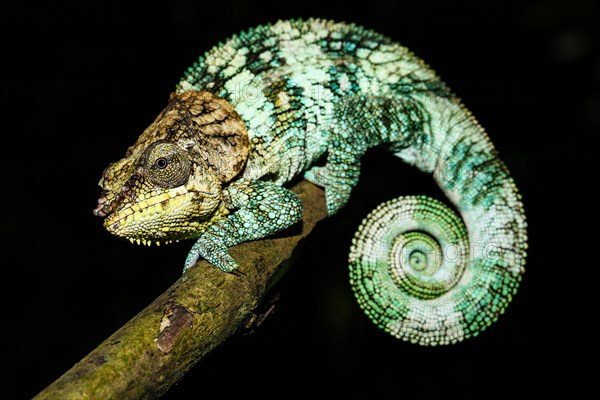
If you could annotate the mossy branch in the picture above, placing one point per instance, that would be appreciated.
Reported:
(200, 311)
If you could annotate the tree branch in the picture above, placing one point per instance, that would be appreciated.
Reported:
(201, 310)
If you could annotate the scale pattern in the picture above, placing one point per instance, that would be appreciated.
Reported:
(313, 97)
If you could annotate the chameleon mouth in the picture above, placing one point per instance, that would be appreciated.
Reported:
(149, 218)
(165, 217)
(104, 207)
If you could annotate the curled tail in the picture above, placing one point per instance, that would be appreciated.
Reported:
(420, 271)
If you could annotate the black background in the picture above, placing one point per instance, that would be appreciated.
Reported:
(85, 78)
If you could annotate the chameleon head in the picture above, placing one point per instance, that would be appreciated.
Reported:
(169, 183)
(160, 197)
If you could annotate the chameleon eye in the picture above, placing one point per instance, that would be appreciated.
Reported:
(161, 163)
(168, 165)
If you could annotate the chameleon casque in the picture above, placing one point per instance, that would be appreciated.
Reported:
(311, 97)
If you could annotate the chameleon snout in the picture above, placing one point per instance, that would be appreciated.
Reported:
(99, 210)
(102, 209)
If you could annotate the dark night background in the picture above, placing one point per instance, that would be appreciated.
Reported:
(87, 77)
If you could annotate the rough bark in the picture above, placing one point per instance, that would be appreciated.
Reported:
(197, 313)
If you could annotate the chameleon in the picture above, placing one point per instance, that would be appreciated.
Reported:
(307, 98)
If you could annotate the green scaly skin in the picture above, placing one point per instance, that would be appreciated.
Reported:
(266, 106)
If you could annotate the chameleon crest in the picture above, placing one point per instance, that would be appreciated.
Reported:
(169, 182)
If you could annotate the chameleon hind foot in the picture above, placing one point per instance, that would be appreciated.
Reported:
(337, 193)
(338, 178)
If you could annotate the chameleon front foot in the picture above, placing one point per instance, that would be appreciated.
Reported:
(261, 209)
(213, 250)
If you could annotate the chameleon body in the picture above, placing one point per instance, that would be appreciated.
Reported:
(310, 98)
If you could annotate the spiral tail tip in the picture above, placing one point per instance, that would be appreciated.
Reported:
(414, 274)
